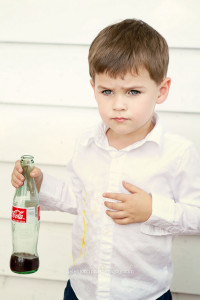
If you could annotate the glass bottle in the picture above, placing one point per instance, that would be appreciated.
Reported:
(25, 222)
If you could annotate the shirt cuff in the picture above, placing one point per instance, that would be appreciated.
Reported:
(162, 217)
(49, 192)
(163, 210)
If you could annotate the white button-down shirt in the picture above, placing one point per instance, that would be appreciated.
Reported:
(118, 262)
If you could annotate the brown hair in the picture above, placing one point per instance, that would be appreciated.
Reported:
(127, 46)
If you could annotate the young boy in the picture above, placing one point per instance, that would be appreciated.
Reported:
(131, 184)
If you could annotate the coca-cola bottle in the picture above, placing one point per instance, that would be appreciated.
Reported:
(25, 222)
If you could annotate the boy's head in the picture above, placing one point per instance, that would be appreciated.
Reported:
(126, 47)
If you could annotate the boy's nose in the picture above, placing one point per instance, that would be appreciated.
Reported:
(119, 103)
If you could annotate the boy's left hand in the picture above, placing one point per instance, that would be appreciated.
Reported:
(133, 208)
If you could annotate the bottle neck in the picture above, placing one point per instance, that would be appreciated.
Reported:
(27, 164)
(27, 169)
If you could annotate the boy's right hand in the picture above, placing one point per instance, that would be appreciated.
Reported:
(17, 178)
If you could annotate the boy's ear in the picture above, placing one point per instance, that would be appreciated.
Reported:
(163, 90)
(92, 83)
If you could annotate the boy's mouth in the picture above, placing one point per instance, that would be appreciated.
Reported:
(120, 120)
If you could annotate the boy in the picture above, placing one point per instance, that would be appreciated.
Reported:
(127, 171)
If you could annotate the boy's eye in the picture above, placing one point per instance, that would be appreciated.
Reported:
(107, 92)
(134, 92)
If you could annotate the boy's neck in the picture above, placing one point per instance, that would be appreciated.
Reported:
(120, 142)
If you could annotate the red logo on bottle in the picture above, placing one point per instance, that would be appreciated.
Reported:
(38, 212)
(19, 214)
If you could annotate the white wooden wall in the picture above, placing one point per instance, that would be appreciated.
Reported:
(46, 99)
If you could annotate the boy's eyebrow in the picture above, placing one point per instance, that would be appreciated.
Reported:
(102, 87)
(133, 87)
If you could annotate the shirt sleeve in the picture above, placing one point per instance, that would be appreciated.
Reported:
(60, 195)
(180, 215)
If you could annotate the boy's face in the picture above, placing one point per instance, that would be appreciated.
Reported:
(127, 105)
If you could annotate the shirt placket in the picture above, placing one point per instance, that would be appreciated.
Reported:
(106, 246)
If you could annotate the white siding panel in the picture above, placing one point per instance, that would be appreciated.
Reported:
(79, 21)
(177, 296)
(43, 74)
(184, 70)
(58, 75)
(48, 133)
(185, 255)
(26, 288)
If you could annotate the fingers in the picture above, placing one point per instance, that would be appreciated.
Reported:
(114, 205)
(130, 187)
(116, 215)
(123, 221)
(38, 176)
(119, 217)
(17, 178)
(123, 197)
(35, 172)
(116, 196)
(18, 166)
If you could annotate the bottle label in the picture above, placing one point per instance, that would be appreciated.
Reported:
(24, 215)
(19, 214)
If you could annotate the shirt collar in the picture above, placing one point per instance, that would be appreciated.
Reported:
(98, 135)
(156, 134)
